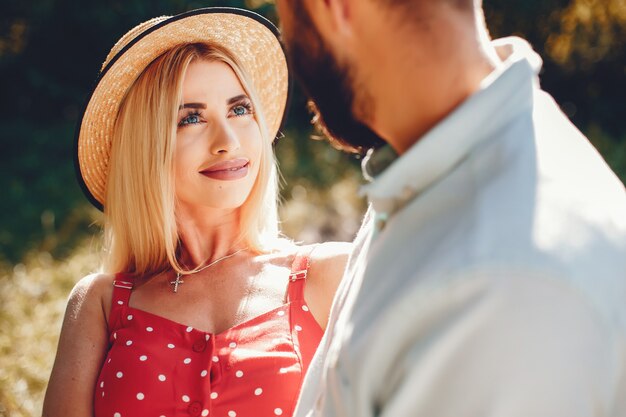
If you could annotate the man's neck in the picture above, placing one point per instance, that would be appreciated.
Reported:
(422, 79)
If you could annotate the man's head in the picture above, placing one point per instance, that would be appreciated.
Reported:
(328, 82)
(379, 65)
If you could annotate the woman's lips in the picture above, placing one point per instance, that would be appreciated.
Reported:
(228, 170)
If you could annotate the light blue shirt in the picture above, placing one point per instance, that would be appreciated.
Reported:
(489, 277)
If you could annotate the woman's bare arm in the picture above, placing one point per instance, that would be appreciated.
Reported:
(328, 262)
(81, 350)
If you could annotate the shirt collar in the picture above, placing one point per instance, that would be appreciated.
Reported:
(502, 96)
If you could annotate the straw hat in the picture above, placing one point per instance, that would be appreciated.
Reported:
(248, 36)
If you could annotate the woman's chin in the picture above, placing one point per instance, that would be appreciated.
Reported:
(223, 202)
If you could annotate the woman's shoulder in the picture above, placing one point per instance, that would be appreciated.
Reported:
(330, 251)
(328, 261)
(92, 290)
(93, 284)
(327, 264)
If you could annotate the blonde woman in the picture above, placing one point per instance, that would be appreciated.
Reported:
(201, 308)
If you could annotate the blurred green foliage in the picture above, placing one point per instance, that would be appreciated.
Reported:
(51, 50)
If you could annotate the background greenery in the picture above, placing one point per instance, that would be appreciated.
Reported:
(50, 52)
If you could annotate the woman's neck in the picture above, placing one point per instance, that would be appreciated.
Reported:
(207, 234)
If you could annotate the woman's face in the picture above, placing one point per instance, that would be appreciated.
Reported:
(218, 141)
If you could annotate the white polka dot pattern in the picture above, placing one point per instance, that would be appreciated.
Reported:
(256, 357)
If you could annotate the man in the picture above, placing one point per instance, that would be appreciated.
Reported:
(492, 278)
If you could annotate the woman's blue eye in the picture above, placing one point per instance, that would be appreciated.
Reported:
(240, 110)
(190, 120)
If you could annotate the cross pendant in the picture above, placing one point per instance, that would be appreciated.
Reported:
(177, 282)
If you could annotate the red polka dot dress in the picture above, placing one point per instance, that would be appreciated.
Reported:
(156, 367)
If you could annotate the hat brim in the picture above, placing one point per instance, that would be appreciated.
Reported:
(250, 37)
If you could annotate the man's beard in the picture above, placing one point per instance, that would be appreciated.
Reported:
(330, 86)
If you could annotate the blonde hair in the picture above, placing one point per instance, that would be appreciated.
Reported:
(140, 229)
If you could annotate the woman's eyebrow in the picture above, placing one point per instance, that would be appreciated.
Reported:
(231, 100)
(192, 106)
(237, 99)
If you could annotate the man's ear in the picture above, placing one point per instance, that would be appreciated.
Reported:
(341, 12)
(333, 16)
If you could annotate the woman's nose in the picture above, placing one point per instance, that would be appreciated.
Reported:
(223, 139)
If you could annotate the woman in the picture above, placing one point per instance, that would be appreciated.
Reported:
(201, 309)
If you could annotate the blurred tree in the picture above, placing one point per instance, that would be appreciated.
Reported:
(590, 31)
(583, 44)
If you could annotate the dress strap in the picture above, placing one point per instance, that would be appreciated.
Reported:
(299, 272)
(122, 287)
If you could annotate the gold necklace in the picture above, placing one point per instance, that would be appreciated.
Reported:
(179, 281)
